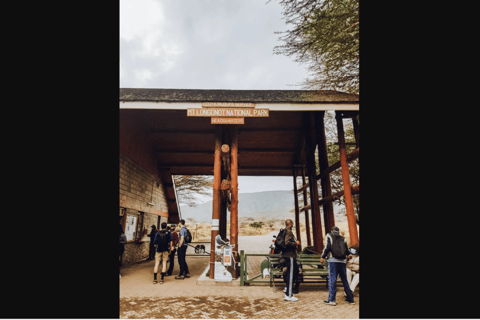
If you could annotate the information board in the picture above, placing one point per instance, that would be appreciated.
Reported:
(130, 227)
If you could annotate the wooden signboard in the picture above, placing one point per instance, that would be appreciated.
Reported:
(228, 120)
(227, 112)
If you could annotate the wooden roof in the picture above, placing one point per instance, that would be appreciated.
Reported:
(254, 96)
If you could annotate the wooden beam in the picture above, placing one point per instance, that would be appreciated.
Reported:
(297, 213)
(197, 153)
(216, 201)
(350, 157)
(267, 150)
(333, 197)
(310, 157)
(337, 195)
(279, 131)
(305, 203)
(328, 215)
(352, 221)
(305, 186)
(234, 201)
(179, 131)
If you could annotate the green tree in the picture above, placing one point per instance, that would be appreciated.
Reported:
(190, 187)
(326, 37)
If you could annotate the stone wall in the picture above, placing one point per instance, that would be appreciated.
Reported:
(138, 187)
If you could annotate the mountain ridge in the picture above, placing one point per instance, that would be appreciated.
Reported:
(265, 204)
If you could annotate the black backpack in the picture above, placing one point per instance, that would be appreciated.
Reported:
(280, 240)
(338, 246)
(188, 238)
(163, 238)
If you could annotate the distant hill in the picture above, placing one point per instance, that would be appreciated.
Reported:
(266, 204)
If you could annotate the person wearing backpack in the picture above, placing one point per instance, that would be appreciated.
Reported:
(171, 257)
(184, 238)
(289, 252)
(164, 246)
(337, 250)
(122, 241)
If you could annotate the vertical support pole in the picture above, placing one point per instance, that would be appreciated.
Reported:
(352, 222)
(297, 212)
(328, 213)
(305, 203)
(223, 216)
(312, 179)
(356, 131)
(234, 203)
(217, 167)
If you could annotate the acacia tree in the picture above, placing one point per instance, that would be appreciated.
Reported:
(189, 187)
(325, 37)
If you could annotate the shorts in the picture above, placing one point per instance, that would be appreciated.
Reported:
(161, 256)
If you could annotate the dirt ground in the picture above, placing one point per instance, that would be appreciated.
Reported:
(184, 299)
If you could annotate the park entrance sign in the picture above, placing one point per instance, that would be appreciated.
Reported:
(227, 112)
(249, 133)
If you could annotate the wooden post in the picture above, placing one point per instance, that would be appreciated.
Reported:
(297, 218)
(352, 222)
(310, 156)
(217, 167)
(305, 202)
(356, 131)
(234, 201)
(328, 213)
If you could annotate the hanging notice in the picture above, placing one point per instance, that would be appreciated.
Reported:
(130, 227)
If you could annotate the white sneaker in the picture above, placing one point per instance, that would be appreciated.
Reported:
(292, 298)
(120, 276)
(285, 290)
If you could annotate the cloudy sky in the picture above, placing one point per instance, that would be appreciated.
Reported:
(207, 44)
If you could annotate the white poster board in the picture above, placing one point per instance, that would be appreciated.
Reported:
(130, 227)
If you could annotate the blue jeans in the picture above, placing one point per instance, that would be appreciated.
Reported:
(335, 269)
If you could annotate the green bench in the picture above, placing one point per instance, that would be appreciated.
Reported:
(308, 267)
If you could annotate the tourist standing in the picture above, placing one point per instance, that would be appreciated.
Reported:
(290, 255)
(122, 241)
(182, 249)
(164, 246)
(174, 238)
(337, 250)
(151, 252)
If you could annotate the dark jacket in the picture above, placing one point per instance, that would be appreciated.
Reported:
(331, 237)
(291, 251)
(152, 235)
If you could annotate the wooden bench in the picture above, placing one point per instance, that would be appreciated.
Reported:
(309, 265)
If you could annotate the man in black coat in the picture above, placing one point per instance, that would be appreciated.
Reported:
(151, 253)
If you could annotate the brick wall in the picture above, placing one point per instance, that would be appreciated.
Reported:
(137, 188)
